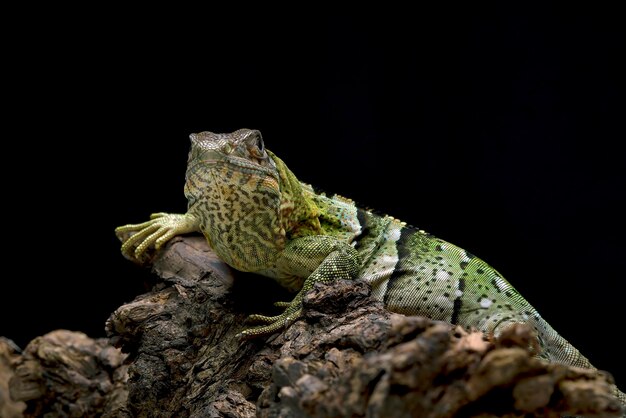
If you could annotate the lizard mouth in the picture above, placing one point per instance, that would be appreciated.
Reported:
(215, 160)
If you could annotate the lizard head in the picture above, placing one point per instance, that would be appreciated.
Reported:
(247, 201)
(238, 159)
(233, 186)
(243, 148)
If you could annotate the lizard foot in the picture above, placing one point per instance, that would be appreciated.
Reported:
(273, 323)
(157, 231)
(262, 319)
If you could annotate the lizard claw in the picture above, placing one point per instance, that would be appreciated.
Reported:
(273, 323)
(157, 231)
(261, 319)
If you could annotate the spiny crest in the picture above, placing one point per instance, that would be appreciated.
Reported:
(339, 198)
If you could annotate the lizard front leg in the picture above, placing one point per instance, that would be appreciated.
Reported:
(319, 258)
(157, 231)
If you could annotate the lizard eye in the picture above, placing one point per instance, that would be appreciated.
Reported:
(256, 145)
(227, 148)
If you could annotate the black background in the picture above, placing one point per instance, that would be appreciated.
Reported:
(498, 130)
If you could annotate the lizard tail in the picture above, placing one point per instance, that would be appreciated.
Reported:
(557, 349)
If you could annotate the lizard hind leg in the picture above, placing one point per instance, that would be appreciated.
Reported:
(273, 323)
(263, 319)
(326, 258)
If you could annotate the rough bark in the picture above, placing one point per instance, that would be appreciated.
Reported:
(9, 355)
(348, 357)
(67, 374)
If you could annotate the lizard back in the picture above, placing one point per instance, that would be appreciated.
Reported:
(415, 273)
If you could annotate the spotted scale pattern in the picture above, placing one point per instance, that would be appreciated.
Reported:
(415, 273)
(236, 200)
(258, 217)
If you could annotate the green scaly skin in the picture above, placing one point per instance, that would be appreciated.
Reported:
(258, 217)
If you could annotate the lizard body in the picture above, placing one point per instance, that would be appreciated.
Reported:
(258, 217)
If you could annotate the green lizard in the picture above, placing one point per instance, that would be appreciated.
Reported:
(258, 217)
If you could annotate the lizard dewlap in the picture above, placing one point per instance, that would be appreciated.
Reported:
(258, 217)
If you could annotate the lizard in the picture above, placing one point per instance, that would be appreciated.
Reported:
(258, 217)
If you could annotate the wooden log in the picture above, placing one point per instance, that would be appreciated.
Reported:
(67, 374)
(9, 355)
(348, 356)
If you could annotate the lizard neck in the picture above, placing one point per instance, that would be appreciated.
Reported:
(238, 211)
(299, 215)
